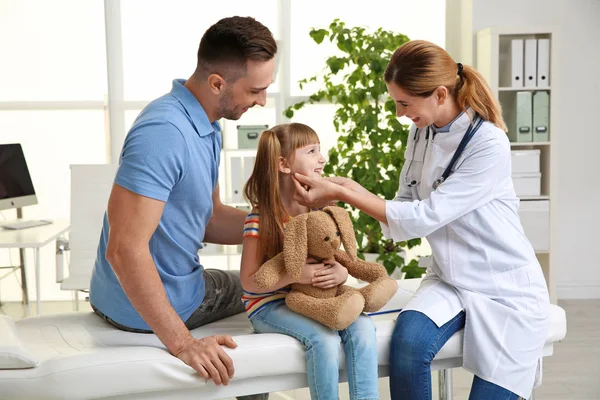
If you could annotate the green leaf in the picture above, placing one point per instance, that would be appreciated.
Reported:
(318, 35)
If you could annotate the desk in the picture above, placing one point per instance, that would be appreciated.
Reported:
(32, 238)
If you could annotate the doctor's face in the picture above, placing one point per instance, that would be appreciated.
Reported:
(421, 110)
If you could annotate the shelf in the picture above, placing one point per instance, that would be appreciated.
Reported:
(220, 250)
(525, 144)
(233, 204)
(240, 152)
(524, 89)
(528, 198)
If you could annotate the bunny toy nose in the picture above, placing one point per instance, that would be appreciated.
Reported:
(335, 243)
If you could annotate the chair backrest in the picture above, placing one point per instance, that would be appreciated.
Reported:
(90, 189)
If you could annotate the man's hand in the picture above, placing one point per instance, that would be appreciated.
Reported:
(331, 275)
(309, 270)
(208, 358)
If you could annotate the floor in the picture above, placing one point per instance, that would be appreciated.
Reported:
(572, 373)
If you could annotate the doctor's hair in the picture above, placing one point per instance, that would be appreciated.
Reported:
(420, 67)
(228, 45)
(263, 187)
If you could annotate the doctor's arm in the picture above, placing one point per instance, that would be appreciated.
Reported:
(469, 187)
(226, 224)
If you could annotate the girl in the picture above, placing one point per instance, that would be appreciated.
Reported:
(282, 151)
(484, 274)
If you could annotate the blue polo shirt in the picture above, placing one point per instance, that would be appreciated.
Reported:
(171, 154)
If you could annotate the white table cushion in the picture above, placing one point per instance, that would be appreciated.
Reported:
(13, 353)
(81, 356)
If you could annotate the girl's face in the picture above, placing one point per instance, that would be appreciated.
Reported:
(423, 111)
(306, 160)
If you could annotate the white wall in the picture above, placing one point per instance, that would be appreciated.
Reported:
(577, 195)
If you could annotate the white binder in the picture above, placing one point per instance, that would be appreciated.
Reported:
(248, 167)
(516, 62)
(530, 63)
(237, 182)
(543, 63)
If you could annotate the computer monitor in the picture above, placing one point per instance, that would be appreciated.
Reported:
(16, 187)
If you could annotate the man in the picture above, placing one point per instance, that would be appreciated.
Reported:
(165, 202)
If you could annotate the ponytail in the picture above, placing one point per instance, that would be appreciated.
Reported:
(263, 193)
(473, 91)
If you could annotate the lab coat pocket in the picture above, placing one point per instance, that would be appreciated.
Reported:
(513, 289)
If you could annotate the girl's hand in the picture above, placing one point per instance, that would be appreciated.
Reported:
(310, 269)
(331, 275)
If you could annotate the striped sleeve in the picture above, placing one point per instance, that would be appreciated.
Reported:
(251, 225)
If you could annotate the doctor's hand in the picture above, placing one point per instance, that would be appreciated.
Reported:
(208, 358)
(331, 275)
(314, 192)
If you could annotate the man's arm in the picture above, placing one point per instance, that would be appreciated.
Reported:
(226, 225)
(133, 219)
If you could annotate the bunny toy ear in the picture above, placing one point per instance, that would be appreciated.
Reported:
(344, 223)
(295, 245)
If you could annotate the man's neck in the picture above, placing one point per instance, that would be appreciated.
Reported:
(204, 97)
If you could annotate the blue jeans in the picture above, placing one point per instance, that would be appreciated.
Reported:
(415, 342)
(323, 350)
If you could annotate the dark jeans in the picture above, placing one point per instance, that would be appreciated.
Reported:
(222, 299)
(415, 342)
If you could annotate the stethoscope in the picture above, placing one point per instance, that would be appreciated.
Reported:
(459, 150)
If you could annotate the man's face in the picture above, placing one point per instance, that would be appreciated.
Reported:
(247, 91)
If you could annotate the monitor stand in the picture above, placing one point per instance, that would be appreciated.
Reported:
(22, 264)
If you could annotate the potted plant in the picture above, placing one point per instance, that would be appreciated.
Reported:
(371, 145)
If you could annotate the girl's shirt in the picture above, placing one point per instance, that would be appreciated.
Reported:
(254, 302)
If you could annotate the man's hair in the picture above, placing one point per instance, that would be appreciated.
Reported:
(227, 46)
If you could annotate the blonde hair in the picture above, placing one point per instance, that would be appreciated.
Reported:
(420, 67)
(262, 189)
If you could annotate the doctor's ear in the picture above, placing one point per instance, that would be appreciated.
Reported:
(216, 83)
(441, 93)
(283, 166)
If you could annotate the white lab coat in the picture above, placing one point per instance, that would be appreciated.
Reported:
(481, 262)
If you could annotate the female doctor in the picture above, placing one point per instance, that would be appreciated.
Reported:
(455, 190)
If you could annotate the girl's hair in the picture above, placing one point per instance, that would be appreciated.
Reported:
(262, 189)
(420, 67)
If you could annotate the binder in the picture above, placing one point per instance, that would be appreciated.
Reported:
(543, 63)
(541, 116)
(530, 63)
(237, 183)
(248, 167)
(516, 62)
(519, 118)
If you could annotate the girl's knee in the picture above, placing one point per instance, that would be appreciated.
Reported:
(325, 345)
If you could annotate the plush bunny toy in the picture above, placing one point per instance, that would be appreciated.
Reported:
(318, 234)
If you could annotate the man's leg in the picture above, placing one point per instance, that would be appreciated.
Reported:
(222, 299)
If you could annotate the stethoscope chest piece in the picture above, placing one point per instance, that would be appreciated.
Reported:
(438, 182)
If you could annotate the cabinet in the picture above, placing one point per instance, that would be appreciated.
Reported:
(520, 65)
